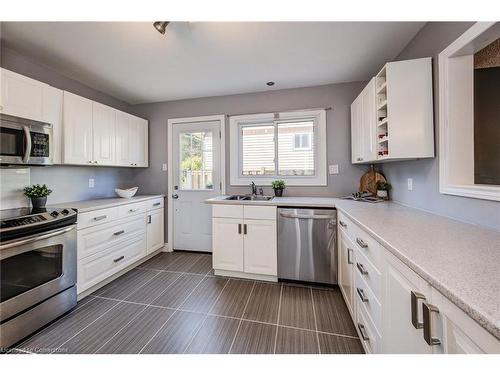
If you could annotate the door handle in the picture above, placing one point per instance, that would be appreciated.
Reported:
(119, 232)
(239, 228)
(98, 218)
(27, 151)
(361, 243)
(362, 269)
(244, 229)
(156, 204)
(364, 336)
(349, 252)
(361, 294)
(342, 224)
(118, 259)
(149, 219)
(415, 296)
(175, 196)
(427, 310)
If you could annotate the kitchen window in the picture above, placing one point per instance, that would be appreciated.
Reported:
(287, 145)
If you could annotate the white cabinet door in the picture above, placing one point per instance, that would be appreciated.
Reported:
(155, 230)
(103, 134)
(400, 335)
(139, 142)
(346, 262)
(77, 115)
(356, 130)
(260, 247)
(368, 141)
(227, 244)
(123, 138)
(21, 96)
(52, 111)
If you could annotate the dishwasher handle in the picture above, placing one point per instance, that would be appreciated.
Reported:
(313, 217)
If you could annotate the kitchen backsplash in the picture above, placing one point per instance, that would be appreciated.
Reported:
(12, 182)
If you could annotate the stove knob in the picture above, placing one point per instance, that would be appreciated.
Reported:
(65, 212)
(54, 213)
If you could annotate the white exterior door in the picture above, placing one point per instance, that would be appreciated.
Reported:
(196, 173)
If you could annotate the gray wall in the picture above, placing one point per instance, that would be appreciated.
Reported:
(338, 96)
(70, 183)
(430, 41)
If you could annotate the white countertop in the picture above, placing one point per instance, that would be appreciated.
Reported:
(460, 260)
(97, 204)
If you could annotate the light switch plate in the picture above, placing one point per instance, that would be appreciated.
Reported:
(333, 169)
(91, 183)
(164, 167)
(410, 184)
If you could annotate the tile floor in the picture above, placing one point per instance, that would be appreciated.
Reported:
(173, 303)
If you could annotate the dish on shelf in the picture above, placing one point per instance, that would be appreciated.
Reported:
(126, 193)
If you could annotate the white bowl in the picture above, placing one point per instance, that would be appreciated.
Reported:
(126, 193)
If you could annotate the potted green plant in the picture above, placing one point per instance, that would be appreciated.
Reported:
(278, 186)
(38, 194)
(383, 188)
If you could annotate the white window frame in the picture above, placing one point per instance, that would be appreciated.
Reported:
(319, 141)
(456, 114)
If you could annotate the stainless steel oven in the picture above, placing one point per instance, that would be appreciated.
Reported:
(24, 141)
(37, 272)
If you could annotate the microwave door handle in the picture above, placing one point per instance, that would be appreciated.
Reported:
(27, 151)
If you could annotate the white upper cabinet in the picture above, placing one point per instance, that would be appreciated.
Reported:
(52, 112)
(104, 134)
(77, 117)
(131, 140)
(392, 119)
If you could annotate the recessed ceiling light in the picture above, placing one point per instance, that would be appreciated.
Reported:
(270, 83)
(161, 26)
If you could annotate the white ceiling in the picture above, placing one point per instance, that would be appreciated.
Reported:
(133, 62)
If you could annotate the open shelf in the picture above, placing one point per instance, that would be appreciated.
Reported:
(383, 122)
(383, 140)
(382, 88)
(382, 105)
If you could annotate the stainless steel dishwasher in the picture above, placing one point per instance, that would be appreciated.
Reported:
(307, 249)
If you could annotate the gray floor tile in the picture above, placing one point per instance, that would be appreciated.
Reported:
(296, 341)
(331, 344)
(215, 336)
(160, 261)
(95, 335)
(254, 338)
(205, 294)
(138, 332)
(148, 292)
(176, 334)
(331, 312)
(66, 327)
(297, 308)
(202, 266)
(264, 302)
(233, 299)
(183, 262)
(178, 291)
(126, 284)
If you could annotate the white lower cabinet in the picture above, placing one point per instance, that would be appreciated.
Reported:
(111, 239)
(245, 241)
(394, 309)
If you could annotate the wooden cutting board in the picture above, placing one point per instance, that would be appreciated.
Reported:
(369, 180)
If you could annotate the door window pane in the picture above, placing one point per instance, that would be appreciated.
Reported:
(258, 150)
(296, 148)
(196, 161)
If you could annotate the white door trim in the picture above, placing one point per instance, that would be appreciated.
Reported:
(170, 176)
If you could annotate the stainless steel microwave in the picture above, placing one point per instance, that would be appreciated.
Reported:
(24, 141)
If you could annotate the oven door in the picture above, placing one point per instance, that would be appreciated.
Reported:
(35, 268)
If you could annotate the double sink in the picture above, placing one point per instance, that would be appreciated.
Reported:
(249, 198)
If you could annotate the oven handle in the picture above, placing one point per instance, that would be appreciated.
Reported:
(36, 238)
(313, 217)
(27, 152)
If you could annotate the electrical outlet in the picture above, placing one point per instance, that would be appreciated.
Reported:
(410, 184)
(164, 167)
(333, 169)
(91, 183)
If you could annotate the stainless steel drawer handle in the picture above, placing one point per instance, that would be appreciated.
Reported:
(149, 219)
(415, 296)
(118, 259)
(239, 228)
(119, 232)
(99, 218)
(313, 217)
(362, 269)
(245, 231)
(132, 210)
(362, 330)
(361, 243)
(361, 294)
(342, 224)
(156, 204)
(427, 310)
(349, 252)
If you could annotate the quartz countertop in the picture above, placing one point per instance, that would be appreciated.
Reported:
(460, 260)
(97, 204)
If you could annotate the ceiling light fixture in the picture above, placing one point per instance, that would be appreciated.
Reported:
(270, 83)
(161, 26)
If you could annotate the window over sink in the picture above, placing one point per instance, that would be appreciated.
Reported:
(285, 145)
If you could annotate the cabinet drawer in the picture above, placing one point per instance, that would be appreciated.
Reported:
(91, 218)
(227, 210)
(260, 212)
(131, 209)
(369, 273)
(366, 300)
(95, 239)
(99, 267)
(153, 204)
(369, 338)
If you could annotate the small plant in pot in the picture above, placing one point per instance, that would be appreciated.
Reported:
(383, 188)
(278, 186)
(38, 194)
